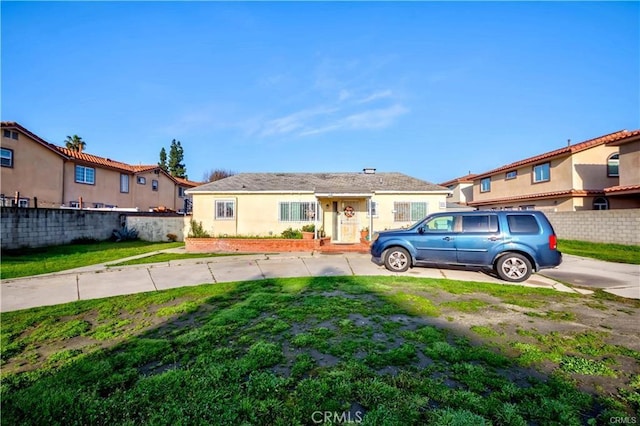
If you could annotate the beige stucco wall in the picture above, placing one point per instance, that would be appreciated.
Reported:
(560, 179)
(36, 172)
(105, 190)
(146, 198)
(257, 213)
(630, 163)
(590, 168)
(585, 170)
(461, 193)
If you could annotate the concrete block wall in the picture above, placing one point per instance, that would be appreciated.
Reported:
(598, 226)
(156, 228)
(30, 227)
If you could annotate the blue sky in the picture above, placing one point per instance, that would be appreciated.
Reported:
(430, 89)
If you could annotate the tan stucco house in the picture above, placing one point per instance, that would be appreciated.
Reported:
(340, 204)
(567, 179)
(34, 169)
(627, 193)
(461, 189)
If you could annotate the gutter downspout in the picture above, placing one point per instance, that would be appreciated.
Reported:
(64, 166)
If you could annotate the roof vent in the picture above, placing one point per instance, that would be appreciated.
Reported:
(369, 171)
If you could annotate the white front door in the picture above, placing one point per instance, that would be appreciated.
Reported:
(348, 220)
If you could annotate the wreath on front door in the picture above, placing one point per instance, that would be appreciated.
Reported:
(349, 212)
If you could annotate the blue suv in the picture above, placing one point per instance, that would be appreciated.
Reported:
(513, 243)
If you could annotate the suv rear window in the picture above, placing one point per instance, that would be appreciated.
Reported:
(523, 224)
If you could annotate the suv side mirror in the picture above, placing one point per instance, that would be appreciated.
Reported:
(421, 230)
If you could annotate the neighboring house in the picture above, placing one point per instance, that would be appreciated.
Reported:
(341, 204)
(567, 179)
(627, 193)
(461, 191)
(56, 176)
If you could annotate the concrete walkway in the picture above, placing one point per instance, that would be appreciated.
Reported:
(621, 279)
(99, 281)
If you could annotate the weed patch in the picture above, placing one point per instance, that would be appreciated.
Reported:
(276, 351)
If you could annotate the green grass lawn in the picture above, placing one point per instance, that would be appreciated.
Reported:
(383, 350)
(44, 260)
(609, 252)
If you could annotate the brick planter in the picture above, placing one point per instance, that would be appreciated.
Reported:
(248, 245)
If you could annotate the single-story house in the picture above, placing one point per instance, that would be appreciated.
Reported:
(340, 205)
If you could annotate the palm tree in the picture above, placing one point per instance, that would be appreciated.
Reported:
(75, 143)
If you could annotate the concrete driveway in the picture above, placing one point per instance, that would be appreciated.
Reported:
(99, 281)
(618, 278)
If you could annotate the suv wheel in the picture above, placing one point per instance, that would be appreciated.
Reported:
(513, 267)
(397, 259)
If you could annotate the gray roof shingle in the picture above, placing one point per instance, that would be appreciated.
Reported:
(319, 183)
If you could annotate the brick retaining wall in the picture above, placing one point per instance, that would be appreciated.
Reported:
(246, 245)
(598, 226)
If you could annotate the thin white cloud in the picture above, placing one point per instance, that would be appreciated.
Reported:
(375, 118)
(382, 94)
(370, 119)
(295, 121)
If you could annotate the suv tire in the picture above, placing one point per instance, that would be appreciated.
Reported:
(513, 267)
(397, 259)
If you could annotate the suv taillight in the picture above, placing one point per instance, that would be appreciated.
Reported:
(553, 242)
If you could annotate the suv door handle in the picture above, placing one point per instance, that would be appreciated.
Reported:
(494, 238)
(448, 239)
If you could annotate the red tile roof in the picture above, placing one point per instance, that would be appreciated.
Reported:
(630, 137)
(555, 194)
(95, 160)
(568, 150)
(38, 139)
(187, 182)
(628, 189)
(464, 179)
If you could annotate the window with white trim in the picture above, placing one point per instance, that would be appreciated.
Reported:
(613, 166)
(181, 192)
(373, 209)
(511, 175)
(485, 185)
(600, 203)
(124, 182)
(141, 180)
(154, 185)
(225, 209)
(541, 173)
(85, 175)
(406, 211)
(7, 157)
(296, 211)
(11, 201)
